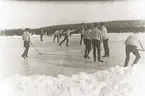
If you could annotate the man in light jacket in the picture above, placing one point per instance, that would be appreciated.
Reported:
(27, 40)
(105, 39)
(96, 37)
(67, 33)
(82, 33)
(56, 34)
(131, 45)
(87, 41)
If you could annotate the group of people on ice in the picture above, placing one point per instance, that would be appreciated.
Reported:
(92, 36)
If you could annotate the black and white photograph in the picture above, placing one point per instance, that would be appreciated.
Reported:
(72, 48)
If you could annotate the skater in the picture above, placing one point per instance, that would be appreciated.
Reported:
(96, 41)
(87, 42)
(82, 33)
(105, 39)
(67, 33)
(41, 35)
(56, 35)
(131, 45)
(26, 39)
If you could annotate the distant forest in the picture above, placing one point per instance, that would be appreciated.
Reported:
(120, 26)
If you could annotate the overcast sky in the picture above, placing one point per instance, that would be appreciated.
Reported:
(39, 14)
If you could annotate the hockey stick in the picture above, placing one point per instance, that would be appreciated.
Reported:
(36, 49)
(141, 49)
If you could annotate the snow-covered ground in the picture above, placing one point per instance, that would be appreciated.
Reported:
(57, 71)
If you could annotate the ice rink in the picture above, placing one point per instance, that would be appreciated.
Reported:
(57, 60)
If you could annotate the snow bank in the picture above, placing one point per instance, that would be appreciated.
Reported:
(115, 81)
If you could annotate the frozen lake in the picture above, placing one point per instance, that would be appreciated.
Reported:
(57, 60)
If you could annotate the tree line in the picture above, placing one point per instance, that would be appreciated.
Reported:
(122, 26)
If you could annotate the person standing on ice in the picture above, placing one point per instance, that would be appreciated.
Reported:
(67, 34)
(41, 35)
(56, 35)
(82, 33)
(105, 39)
(96, 41)
(27, 40)
(87, 42)
(131, 45)
(60, 33)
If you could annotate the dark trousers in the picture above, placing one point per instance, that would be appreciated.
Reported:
(106, 47)
(96, 44)
(60, 36)
(131, 49)
(26, 45)
(81, 39)
(65, 38)
(87, 43)
(41, 37)
(56, 36)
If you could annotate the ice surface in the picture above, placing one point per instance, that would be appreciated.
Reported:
(35, 75)
(65, 61)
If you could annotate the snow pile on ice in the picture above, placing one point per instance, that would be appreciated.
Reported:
(117, 81)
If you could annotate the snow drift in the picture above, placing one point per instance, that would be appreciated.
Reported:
(117, 81)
